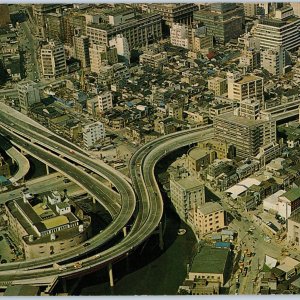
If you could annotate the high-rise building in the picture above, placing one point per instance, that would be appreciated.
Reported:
(53, 59)
(224, 21)
(121, 44)
(273, 60)
(28, 94)
(279, 31)
(218, 85)
(179, 34)
(54, 26)
(101, 54)
(186, 192)
(139, 29)
(250, 9)
(245, 87)
(105, 102)
(81, 47)
(93, 133)
(241, 129)
(4, 15)
(40, 12)
(250, 59)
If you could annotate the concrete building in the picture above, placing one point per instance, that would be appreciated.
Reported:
(99, 55)
(55, 26)
(81, 47)
(293, 228)
(199, 158)
(179, 35)
(250, 59)
(28, 94)
(222, 21)
(247, 135)
(273, 60)
(4, 15)
(154, 59)
(184, 193)
(105, 102)
(296, 8)
(211, 264)
(250, 9)
(121, 44)
(93, 133)
(139, 29)
(53, 60)
(43, 227)
(282, 31)
(245, 87)
(206, 218)
(175, 110)
(218, 85)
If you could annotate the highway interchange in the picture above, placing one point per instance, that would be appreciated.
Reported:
(142, 200)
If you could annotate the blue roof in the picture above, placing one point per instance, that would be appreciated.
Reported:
(222, 244)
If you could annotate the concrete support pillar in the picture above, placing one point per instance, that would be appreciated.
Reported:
(47, 169)
(64, 285)
(94, 200)
(124, 231)
(110, 274)
(161, 238)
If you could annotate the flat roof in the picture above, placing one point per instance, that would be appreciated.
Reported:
(22, 290)
(210, 207)
(292, 194)
(55, 222)
(210, 260)
(274, 197)
(229, 116)
(242, 186)
(288, 263)
(189, 182)
(197, 152)
(248, 78)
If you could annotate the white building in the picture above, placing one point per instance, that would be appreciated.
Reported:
(92, 133)
(28, 94)
(179, 35)
(245, 87)
(280, 31)
(270, 204)
(121, 44)
(184, 193)
(105, 102)
(53, 60)
(273, 60)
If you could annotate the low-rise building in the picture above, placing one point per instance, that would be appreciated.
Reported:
(211, 264)
(293, 228)
(93, 133)
(206, 218)
(218, 85)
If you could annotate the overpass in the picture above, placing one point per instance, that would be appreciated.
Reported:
(18, 157)
(282, 112)
(148, 211)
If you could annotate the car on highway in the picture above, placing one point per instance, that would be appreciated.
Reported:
(86, 244)
(66, 180)
(78, 265)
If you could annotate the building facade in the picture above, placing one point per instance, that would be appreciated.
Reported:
(93, 133)
(105, 102)
(179, 34)
(81, 49)
(28, 94)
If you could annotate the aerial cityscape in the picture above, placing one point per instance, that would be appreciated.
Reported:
(149, 149)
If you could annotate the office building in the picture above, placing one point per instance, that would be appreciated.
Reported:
(55, 26)
(53, 60)
(121, 44)
(4, 15)
(250, 9)
(217, 85)
(224, 21)
(28, 94)
(154, 59)
(92, 134)
(139, 29)
(282, 31)
(241, 87)
(246, 133)
(206, 218)
(273, 61)
(81, 47)
(105, 102)
(100, 55)
(179, 34)
(185, 192)
(172, 13)
(296, 8)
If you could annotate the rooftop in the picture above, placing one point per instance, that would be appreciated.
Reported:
(210, 207)
(210, 260)
(230, 117)
(293, 194)
(197, 153)
(248, 78)
(189, 182)
(288, 263)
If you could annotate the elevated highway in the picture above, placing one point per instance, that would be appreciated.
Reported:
(147, 215)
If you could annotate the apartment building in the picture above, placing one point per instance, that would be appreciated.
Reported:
(105, 102)
(241, 87)
(53, 60)
(93, 133)
(217, 85)
(206, 218)
(273, 60)
(184, 193)
(293, 228)
(81, 47)
(28, 94)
